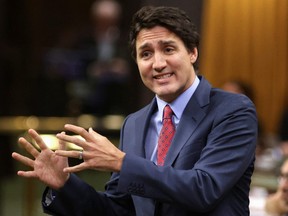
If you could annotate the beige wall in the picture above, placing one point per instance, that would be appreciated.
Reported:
(247, 40)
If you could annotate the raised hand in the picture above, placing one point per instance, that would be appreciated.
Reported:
(98, 152)
(46, 165)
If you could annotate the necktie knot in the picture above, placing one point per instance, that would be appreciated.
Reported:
(168, 112)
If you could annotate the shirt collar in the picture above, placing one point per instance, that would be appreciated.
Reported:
(179, 104)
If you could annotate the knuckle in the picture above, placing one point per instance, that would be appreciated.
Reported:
(82, 131)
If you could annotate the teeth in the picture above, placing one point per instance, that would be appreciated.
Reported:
(164, 76)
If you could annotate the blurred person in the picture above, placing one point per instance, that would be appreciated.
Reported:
(93, 63)
(108, 70)
(277, 203)
(105, 67)
(239, 87)
(199, 163)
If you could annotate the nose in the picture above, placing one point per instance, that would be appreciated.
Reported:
(159, 62)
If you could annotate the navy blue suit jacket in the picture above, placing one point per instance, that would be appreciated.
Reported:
(207, 171)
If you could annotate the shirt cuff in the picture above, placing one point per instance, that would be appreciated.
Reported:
(50, 196)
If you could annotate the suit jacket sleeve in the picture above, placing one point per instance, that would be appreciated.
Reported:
(77, 198)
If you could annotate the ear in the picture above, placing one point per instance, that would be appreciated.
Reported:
(193, 55)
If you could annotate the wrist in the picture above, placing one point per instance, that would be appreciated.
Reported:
(120, 161)
(61, 183)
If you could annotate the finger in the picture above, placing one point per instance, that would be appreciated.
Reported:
(62, 144)
(70, 154)
(76, 168)
(28, 147)
(37, 139)
(72, 139)
(95, 137)
(79, 130)
(22, 159)
(27, 174)
(93, 133)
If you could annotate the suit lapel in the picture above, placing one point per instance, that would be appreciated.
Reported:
(141, 127)
(191, 117)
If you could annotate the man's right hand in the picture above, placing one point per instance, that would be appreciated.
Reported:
(46, 165)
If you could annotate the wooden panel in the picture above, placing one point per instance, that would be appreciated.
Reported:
(247, 40)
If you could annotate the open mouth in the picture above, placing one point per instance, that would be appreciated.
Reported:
(164, 76)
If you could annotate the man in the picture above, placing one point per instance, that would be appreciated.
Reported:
(208, 167)
(277, 203)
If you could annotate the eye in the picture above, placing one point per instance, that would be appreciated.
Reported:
(145, 54)
(169, 49)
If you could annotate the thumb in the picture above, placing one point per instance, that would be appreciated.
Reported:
(93, 135)
(91, 131)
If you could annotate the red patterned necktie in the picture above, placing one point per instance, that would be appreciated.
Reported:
(165, 136)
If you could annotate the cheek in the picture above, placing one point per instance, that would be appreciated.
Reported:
(283, 185)
(144, 75)
(143, 70)
(182, 67)
(180, 61)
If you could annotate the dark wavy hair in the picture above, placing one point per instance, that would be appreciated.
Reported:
(172, 18)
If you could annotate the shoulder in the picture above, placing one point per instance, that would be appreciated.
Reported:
(219, 96)
(143, 113)
(225, 105)
(228, 99)
(139, 113)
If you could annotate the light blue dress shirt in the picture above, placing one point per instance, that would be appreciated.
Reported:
(155, 126)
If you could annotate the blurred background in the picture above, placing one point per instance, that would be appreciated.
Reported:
(68, 62)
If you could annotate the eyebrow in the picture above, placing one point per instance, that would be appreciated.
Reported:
(169, 42)
(161, 42)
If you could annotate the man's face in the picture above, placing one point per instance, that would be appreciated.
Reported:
(283, 184)
(164, 63)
